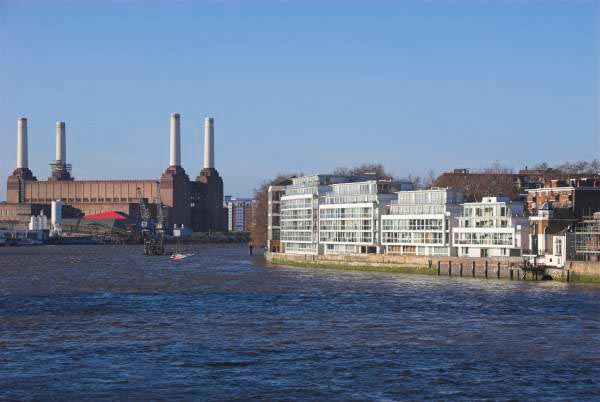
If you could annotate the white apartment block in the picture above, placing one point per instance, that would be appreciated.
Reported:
(299, 210)
(349, 217)
(494, 227)
(348, 206)
(420, 222)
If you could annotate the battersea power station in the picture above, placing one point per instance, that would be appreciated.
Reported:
(196, 204)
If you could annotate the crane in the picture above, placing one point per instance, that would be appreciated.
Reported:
(152, 235)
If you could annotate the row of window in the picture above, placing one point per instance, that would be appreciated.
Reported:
(349, 199)
(496, 239)
(296, 225)
(414, 250)
(341, 213)
(297, 214)
(349, 224)
(485, 211)
(346, 237)
(484, 223)
(412, 238)
(340, 249)
(417, 209)
(296, 236)
(412, 224)
(300, 247)
(297, 203)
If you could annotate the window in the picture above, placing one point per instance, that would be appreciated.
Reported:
(558, 246)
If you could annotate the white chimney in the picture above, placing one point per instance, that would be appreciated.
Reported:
(61, 144)
(22, 161)
(209, 143)
(175, 154)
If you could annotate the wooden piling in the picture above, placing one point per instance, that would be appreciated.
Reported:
(511, 274)
(439, 267)
(461, 268)
(486, 268)
(473, 269)
(498, 271)
(449, 268)
(568, 275)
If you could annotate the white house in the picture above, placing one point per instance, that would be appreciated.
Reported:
(494, 227)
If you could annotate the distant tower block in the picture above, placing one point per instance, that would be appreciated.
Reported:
(175, 148)
(60, 170)
(22, 152)
(209, 143)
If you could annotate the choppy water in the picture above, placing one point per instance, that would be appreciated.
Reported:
(101, 322)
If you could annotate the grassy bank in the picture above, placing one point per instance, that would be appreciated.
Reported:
(366, 268)
(585, 278)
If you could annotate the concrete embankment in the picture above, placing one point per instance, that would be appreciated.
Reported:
(506, 268)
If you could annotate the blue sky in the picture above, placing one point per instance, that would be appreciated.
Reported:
(299, 86)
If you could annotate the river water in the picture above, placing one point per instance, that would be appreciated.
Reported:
(104, 322)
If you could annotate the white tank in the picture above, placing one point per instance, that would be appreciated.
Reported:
(33, 223)
(56, 217)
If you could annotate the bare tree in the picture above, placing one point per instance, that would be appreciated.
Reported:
(429, 179)
(260, 212)
(376, 168)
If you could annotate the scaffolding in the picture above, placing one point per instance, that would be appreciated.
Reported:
(587, 238)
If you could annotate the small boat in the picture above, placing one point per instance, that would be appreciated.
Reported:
(179, 256)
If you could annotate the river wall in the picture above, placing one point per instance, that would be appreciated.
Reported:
(505, 268)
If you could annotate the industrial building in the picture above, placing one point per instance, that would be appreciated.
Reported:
(197, 204)
(420, 222)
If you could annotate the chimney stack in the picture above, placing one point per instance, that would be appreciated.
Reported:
(175, 150)
(61, 144)
(209, 143)
(22, 160)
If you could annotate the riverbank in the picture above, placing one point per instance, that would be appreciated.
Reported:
(509, 268)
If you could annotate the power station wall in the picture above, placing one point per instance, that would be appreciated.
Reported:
(90, 191)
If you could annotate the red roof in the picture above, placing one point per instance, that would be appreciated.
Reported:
(107, 215)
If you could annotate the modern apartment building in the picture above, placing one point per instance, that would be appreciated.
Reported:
(494, 227)
(348, 205)
(299, 213)
(239, 214)
(349, 216)
(420, 222)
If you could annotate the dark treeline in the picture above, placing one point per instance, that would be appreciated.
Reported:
(580, 167)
